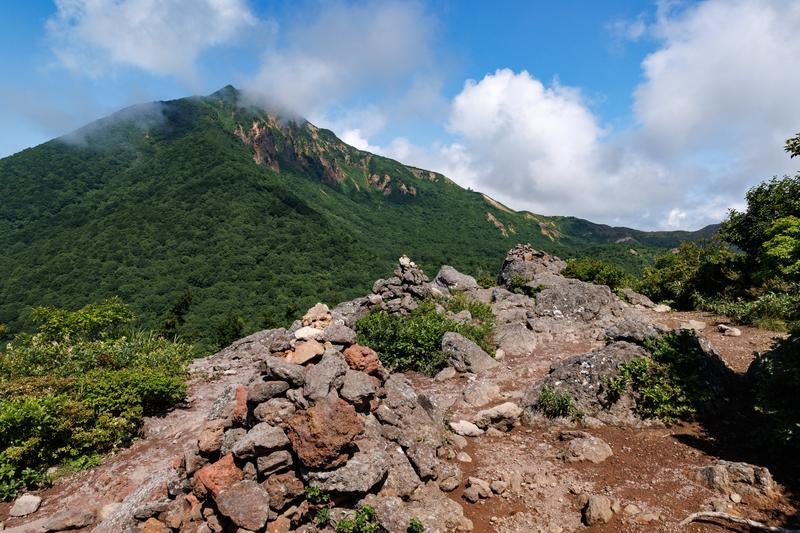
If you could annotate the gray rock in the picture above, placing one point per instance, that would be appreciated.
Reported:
(445, 374)
(634, 298)
(729, 331)
(275, 411)
(466, 428)
(696, 325)
(472, 494)
(246, 503)
(261, 391)
(448, 476)
(339, 334)
(582, 446)
(515, 339)
(502, 417)
(229, 440)
(150, 509)
(357, 387)
(523, 261)
(431, 506)
(402, 480)
(262, 438)
(274, 462)
(349, 312)
(464, 355)
(480, 392)
(423, 456)
(450, 278)
(741, 478)
(279, 369)
(358, 475)
(408, 417)
(597, 510)
(482, 487)
(70, 519)
(325, 376)
(25, 505)
(632, 330)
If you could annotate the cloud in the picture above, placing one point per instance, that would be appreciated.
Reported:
(373, 50)
(163, 37)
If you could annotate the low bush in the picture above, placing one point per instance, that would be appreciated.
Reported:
(415, 342)
(521, 285)
(362, 522)
(553, 404)
(667, 385)
(774, 311)
(598, 272)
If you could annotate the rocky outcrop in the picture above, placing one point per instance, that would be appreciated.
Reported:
(526, 263)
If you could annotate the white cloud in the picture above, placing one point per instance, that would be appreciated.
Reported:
(163, 37)
(373, 50)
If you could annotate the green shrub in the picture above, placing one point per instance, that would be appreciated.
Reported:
(415, 526)
(554, 404)
(485, 279)
(775, 311)
(323, 517)
(598, 272)
(414, 342)
(520, 285)
(667, 385)
(362, 522)
(316, 495)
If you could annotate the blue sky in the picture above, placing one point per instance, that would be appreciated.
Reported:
(648, 114)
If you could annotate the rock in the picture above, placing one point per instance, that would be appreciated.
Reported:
(275, 411)
(450, 278)
(729, 331)
(695, 325)
(325, 376)
(465, 428)
(463, 457)
(70, 519)
(153, 525)
(597, 510)
(449, 476)
(339, 334)
(261, 439)
(402, 480)
(105, 511)
(408, 417)
(357, 387)
(262, 391)
(429, 505)
(631, 509)
(218, 476)
(322, 434)
(280, 525)
(582, 446)
(307, 333)
(631, 330)
(741, 478)
(648, 518)
(445, 374)
(278, 368)
(211, 437)
(192, 459)
(305, 352)
(502, 417)
(319, 315)
(735, 497)
(515, 340)
(281, 342)
(246, 503)
(477, 489)
(525, 262)
(25, 505)
(458, 441)
(358, 475)
(423, 456)
(283, 489)
(364, 359)
(661, 308)
(639, 300)
(148, 509)
(229, 440)
(472, 495)
(480, 392)
(464, 355)
(498, 486)
(274, 462)
(239, 412)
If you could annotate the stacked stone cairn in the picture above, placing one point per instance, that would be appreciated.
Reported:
(322, 413)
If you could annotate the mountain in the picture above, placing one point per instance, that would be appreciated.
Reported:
(257, 215)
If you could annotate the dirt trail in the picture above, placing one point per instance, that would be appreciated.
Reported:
(651, 468)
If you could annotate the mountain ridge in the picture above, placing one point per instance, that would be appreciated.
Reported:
(250, 212)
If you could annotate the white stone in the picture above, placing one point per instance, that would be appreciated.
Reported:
(25, 505)
(465, 428)
(307, 332)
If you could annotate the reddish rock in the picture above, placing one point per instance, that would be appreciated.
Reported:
(320, 435)
(305, 352)
(153, 525)
(364, 359)
(210, 439)
(218, 476)
(246, 503)
(239, 413)
(282, 489)
(279, 525)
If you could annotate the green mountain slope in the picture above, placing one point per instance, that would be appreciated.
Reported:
(257, 216)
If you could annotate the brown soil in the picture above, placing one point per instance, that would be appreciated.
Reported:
(653, 468)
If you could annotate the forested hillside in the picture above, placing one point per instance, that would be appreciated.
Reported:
(203, 210)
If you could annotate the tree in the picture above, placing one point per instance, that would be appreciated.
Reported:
(783, 247)
(228, 330)
(176, 316)
(793, 146)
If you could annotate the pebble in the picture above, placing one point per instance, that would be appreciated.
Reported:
(463, 457)
(736, 497)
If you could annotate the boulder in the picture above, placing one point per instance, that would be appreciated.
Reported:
(525, 262)
(274, 462)
(218, 476)
(423, 456)
(636, 299)
(464, 355)
(25, 505)
(211, 437)
(322, 435)
(246, 503)
(446, 373)
(582, 446)
(229, 440)
(402, 480)
(597, 510)
(450, 278)
(283, 489)
(261, 439)
(502, 417)
(69, 519)
(357, 387)
(408, 417)
(317, 316)
(339, 334)
(465, 428)
(275, 411)
(261, 391)
(305, 352)
(480, 392)
(632, 330)
(357, 476)
(741, 478)
(364, 359)
(307, 333)
(325, 376)
(515, 339)
(428, 504)
(278, 368)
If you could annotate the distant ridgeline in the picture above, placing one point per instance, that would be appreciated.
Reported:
(201, 210)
